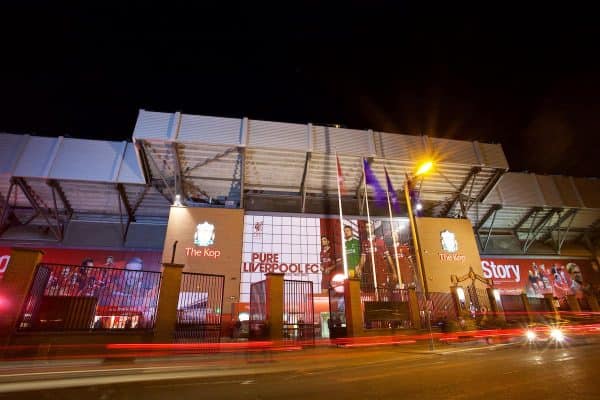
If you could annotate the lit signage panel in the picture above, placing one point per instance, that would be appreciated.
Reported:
(310, 249)
(539, 276)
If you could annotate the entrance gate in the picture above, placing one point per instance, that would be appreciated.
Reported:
(478, 300)
(337, 313)
(199, 308)
(474, 301)
(257, 324)
(298, 311)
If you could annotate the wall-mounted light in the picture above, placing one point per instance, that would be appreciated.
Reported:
(461, 294)
(497, 295)
(177, 202)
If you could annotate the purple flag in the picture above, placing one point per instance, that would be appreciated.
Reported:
(392, 192)
(371, 179)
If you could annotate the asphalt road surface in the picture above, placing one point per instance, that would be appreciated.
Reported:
(492, 372)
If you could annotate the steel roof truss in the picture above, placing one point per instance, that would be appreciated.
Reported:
(40, 207)
(58, 190)
(533, 211)
(150, 158)
(471, 177)
(7, 210)
(491, 212)
(561, 239)
(535, 229)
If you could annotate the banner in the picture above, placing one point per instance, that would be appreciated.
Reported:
(310, 249)
(137, 260)
(537, 276)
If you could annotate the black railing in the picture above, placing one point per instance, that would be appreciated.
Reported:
(385, 307)
(67, 297)
(538, 304)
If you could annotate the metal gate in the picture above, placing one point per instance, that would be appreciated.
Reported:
(199, 308)
(479, 302)
(336, 323)
(257, 324)
(298, 311)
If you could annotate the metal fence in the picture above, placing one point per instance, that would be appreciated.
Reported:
(257, 323)
(298, 310)
(538, 304)
(67, 297)
(385, 308)
(479, 300)
(336, 324)
(584, 305)
(199, 308)
(443, 305)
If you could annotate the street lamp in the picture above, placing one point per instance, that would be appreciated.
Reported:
(408, 187)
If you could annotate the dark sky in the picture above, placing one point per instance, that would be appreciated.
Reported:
(523, 78)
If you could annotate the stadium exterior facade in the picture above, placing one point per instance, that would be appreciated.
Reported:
(267, 194)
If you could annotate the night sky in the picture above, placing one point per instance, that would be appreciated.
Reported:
(524, 78)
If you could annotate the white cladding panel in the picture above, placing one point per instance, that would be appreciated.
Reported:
(87, 160)
(36, 156)
(153, 125)
(492, 155)
(10, 146)
(277, 135)
(493, 197)
(589, 190)
(549, 191)
(210, 130)
(401, 147)
(131, 171)
(341, 140)
(566, 188)
(454, 151)
(520, 189)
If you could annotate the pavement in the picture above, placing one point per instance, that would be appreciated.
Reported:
(465, 370)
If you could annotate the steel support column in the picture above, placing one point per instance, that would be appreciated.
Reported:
(123, 199)
(491, 213)
(305, 175)
(459, 194)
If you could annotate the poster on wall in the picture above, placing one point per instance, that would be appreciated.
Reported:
(310, 249)
(120, 259)
(536, 277)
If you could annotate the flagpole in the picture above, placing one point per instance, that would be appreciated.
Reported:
(370, 229)
(343, 240)
(394, 241)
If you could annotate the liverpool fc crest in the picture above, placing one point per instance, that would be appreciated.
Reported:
(449, 242)
(205, 234)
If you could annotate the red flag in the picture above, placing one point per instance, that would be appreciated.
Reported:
(340, 177)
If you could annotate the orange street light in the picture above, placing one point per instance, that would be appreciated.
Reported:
(424, 168)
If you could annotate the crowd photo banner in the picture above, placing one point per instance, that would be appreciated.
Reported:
(539, 276)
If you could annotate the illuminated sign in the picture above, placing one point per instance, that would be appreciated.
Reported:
(210, 253)
(205, 234)
(449, 242)
(450, 247)
(508, 272)
(4, 263)
(269, 262)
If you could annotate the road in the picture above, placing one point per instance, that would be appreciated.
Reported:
(490, 372)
